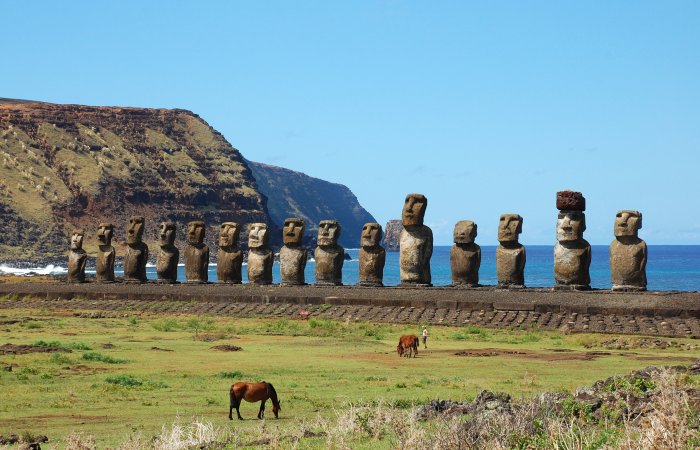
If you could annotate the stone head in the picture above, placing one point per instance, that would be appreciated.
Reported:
(195, 232)
(328, 232)
(465, 232)
(258, 235)
(105, 232)
(76, 240)
(509, 227)
(628, 223)
(166, 233)
(134, 234)
(371, 234)
(414, 210)
(228, 235)
(293, 231)
(570, 226)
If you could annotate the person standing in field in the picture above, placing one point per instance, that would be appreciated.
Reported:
(425, 337)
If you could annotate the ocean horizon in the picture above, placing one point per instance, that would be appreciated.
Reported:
(669, 268)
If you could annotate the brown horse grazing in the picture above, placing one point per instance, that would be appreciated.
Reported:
(408, 346)
(253, 392)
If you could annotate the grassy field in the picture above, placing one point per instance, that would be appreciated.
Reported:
(135, 374)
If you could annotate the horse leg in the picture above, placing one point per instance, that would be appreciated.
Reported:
(232, 398)
(261, 413)
(235, 403)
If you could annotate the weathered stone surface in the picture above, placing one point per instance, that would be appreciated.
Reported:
(329, 255)
(372, 256)
(136, 251)
(77, 257)
(465, 255)
(229, 260)
(104, 263)
(196, 253)
(293, 255)
(628, 253)
(392, 235)
(169, 255)
(510, 254)
(570, 201)
(572, 253)
(416, 243)
(260, 256)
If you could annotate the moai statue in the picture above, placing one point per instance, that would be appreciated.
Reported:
(196, 253)
(104, 263)
(415, 244)
(76, 259)
(260, 256)
(229, 260)
(372, 256)
(329, 255)
(510, 254)
(293, 255)
(136, 251)
(572, 253)
(465, 255)
(628, 253)
(169, 255)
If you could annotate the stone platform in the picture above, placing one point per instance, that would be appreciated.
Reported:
(650, 313)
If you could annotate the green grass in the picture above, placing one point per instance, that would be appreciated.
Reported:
(317, 367)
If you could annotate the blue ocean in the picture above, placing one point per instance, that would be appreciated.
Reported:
(669, 267)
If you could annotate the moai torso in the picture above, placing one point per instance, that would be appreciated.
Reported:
(572, 253)
(229, 259)
(169, 255)
(104, 263)
(372, 256)
(260, 256)
(628, 254)
(77, 259)
(465, 255)
(136, 255)
(510, 255)
(293, 255)
(196, 254)
(415, 243)
(329, 255)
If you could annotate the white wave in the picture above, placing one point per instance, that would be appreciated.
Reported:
(48, 270)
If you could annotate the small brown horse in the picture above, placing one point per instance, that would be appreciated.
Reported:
(253, 392)
(408, 346)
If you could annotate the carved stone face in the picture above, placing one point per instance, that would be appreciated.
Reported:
(328, 232)
(465, 232)
(195, 232)
(628, 223)
(371, 234)
(414, 210)
(293, 231)
(509, 227)
(76, 241)
(105, 231)
(166, 234)
(228, 236)
(134, 234)
(570, 226)
(258, 235)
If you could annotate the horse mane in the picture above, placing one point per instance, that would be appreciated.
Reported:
(273, 395)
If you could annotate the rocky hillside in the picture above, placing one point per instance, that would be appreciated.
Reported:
(294, 194)
(392, 235)
(66, 167)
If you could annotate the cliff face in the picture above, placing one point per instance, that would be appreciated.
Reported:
(392, 235)
(66, 167)
(294, 194)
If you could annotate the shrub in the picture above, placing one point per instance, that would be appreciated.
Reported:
(94, 356)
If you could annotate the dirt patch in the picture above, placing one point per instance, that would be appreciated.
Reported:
(81, 368)
(108, 346)
(12, 349)
(623, 343)
(555, 355)
(227, 348)
(161, 349)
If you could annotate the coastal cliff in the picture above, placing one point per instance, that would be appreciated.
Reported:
(295, 194)
(392, 235)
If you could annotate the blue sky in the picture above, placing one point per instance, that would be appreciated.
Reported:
(485, 107)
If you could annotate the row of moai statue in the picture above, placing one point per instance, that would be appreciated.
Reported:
(572, 253)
